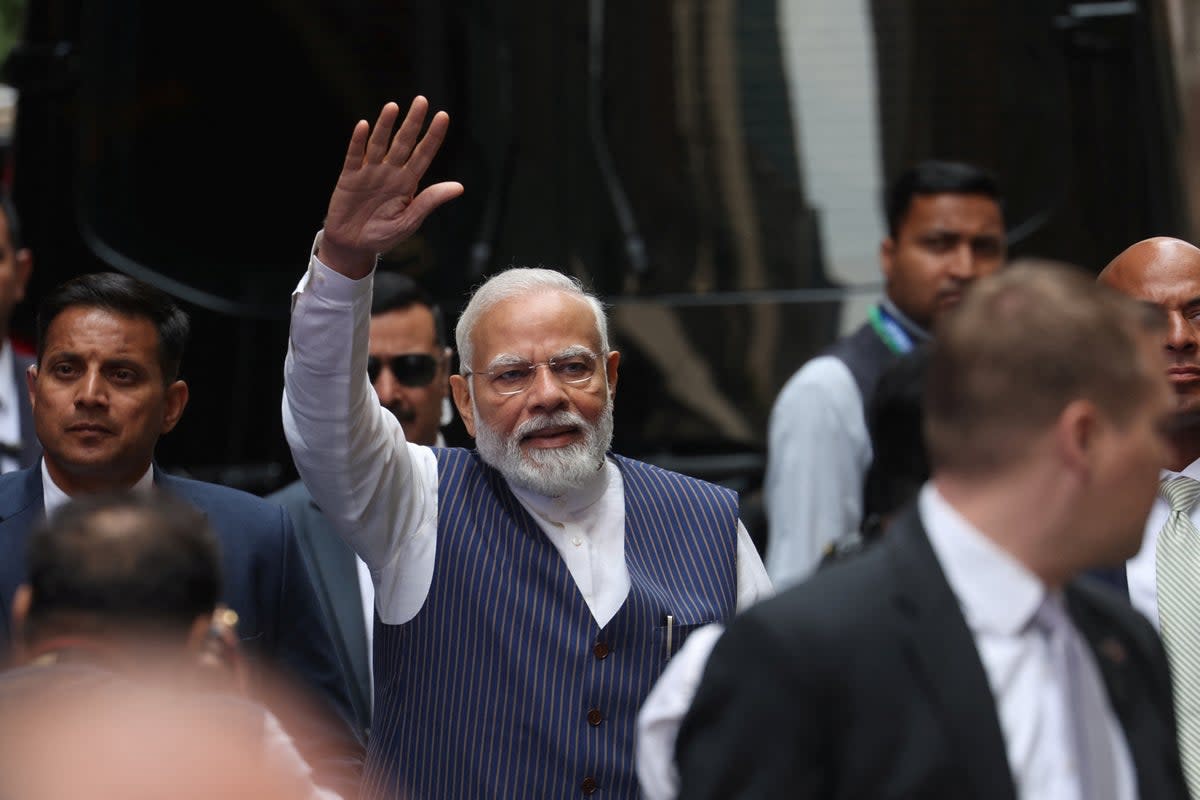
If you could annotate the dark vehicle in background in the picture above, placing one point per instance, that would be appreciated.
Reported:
(657, 150)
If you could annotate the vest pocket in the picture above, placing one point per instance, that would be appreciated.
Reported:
(670, 634)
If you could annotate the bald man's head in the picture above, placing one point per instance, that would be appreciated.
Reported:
(1151, 264)
(1166, 271)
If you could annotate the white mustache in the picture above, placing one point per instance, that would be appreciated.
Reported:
(556, 420)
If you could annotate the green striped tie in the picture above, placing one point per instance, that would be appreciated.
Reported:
(1177, 565)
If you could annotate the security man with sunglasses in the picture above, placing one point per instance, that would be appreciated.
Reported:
(408, 363)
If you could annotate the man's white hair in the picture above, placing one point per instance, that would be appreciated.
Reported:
(516, 282)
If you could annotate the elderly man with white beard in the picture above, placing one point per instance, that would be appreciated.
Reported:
(528, 592)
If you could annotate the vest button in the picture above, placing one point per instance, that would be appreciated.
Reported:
(594, 717)
(589, 785)
(601, 650)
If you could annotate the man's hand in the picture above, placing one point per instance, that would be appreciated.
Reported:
(375, 205)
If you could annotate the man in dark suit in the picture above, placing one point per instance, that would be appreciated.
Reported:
(961, 656)
(119, 627)
(409, 366)
(19, 446)
(105, 388)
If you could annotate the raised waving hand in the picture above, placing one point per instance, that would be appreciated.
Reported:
(378, 203)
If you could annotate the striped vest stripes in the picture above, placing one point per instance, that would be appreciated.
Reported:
(503, 685)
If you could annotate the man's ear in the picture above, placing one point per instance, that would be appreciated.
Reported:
(610, 370)
(887, 257)
(198, 633)
(31, 375)
(21, 603)
(176, 401)
(23, 262)
(1076, 434)
(445, 370)
(462, 401)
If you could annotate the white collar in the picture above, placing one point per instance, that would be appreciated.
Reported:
(997, 593)
(54, 497)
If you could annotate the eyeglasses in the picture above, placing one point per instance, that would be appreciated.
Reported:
(515, 377)
(410, 369)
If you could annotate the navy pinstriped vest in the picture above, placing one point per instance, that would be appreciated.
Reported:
(503, 685)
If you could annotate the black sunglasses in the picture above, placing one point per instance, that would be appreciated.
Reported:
(410, 369)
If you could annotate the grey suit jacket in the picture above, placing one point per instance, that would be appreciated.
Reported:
(334, 571)
(865, 682)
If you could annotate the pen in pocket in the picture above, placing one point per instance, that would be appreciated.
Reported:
(670, 630)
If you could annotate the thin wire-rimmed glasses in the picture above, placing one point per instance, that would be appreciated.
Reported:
(574, 368)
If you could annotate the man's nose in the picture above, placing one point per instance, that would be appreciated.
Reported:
(963, 262)
(92, 389)
(1181, 333)
(545, 389)
(386, 386)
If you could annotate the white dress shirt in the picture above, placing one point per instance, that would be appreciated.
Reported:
(818, 452)
(381, 492)
(1140, 572)
(53, 497)
(999, 598)
(663, 710)
(366, 589)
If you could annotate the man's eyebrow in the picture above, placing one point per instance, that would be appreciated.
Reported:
(506, 360)
(574, 350)
(509, 360)
(127, 363)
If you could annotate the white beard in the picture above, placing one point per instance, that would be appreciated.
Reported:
(551, 471)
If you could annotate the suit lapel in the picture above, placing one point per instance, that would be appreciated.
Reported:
(22, 510)
(336, 576)
(946, 661)
(1125, 689)
(1116, 577)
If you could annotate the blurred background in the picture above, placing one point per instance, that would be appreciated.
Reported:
(713, 168)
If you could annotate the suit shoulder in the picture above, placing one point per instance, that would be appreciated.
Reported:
(844, 596)
(218, 500)
(293, 496)
(1102, 599)
(18, 490)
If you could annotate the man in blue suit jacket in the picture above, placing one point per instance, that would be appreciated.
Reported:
(105, 388)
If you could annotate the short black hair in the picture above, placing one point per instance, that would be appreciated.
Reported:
(900, 460)
(934, 176)
(135, 560)
(121, 294)
(394, 291)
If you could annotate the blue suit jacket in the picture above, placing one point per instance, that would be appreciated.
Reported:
(280, 621)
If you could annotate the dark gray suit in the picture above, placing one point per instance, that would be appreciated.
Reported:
(865, 682)
(334, 570)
